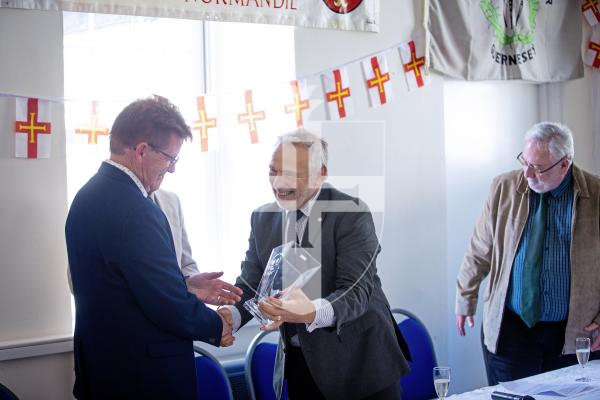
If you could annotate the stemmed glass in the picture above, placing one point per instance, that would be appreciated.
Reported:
(582, 350)
(441, 381)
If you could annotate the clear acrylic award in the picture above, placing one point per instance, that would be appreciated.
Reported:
(289, 268)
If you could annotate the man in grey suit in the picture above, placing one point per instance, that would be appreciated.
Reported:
(344, 343)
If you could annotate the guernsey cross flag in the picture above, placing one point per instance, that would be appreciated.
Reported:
(413, 61)
(378, 80)
(338, 97)
(93, 130)
(32, 128)
(251, 116)
(591, 10)
(301, 102)
(206, 114)
(592, 52)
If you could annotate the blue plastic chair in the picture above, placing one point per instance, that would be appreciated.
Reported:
(7, 394)
(211, 377)
(418, 384)
(260, 362)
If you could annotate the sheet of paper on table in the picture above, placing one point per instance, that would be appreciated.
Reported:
(558, 387)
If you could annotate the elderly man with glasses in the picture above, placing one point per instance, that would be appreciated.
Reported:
(135, 320)
(538, 240)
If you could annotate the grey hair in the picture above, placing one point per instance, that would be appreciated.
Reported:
(558, 137)
(317, 154)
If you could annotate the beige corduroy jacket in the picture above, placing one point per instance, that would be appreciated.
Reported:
(494, 243)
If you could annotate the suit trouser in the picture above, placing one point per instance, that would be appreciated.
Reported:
(524, 351)
(301, 385)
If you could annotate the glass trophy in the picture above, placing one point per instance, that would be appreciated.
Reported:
(289, 268)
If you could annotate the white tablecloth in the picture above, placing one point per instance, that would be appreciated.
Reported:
(569, 374)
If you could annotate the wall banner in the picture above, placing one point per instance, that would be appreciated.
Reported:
(357, 15)
(532, 40)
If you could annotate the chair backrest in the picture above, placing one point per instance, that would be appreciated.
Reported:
(7, 394)
(260, 362)
(418, 384)
(211, 377)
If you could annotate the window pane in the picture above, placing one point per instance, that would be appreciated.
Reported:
(116, 59)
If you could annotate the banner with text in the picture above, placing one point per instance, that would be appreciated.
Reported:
(358, 15)
(531, 40)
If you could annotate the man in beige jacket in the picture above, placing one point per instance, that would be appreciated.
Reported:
(538, 240)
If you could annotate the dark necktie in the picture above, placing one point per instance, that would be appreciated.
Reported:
(292, 229)
(532, 265)
(290, 329)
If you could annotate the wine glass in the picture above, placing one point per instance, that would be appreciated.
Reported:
(441, 381)
(582, 350)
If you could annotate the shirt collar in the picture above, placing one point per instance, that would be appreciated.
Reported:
(564, 185)
(309, 204)
(133, 177)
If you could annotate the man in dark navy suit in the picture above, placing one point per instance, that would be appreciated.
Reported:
(135, 320)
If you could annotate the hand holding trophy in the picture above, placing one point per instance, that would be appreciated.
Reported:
(279, 297)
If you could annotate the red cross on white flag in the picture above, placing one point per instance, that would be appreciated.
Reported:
(251, 116)
(204, 121)
(300, 102)
(93, 130)
(591, 10)
(336, 85)
(32, 128)
(592, 52)
(378, 80)
(413, 61)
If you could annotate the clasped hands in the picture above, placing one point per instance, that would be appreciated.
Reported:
(211, 290)
(297, 308)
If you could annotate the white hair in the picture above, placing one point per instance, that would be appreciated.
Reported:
(317, 148)
(558, 137)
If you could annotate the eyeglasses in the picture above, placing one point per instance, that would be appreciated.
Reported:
(172, 159)
(537, 169)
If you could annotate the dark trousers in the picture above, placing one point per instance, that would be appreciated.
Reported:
(524, 351)
(301, 385)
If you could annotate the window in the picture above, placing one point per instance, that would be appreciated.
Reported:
(115, 59)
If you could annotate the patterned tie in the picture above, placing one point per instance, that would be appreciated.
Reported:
(532, 265)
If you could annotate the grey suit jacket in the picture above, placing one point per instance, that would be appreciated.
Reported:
(170, 205)
(364, 352)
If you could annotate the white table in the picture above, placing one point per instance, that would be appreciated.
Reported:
(592, 371)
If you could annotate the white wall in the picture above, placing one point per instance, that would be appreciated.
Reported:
(484, 127)
(34, 297)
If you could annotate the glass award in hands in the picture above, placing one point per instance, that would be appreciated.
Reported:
(289, 269)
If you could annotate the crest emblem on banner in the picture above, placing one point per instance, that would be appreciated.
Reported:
(518, 20)
(514, 24)
(342, 6)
